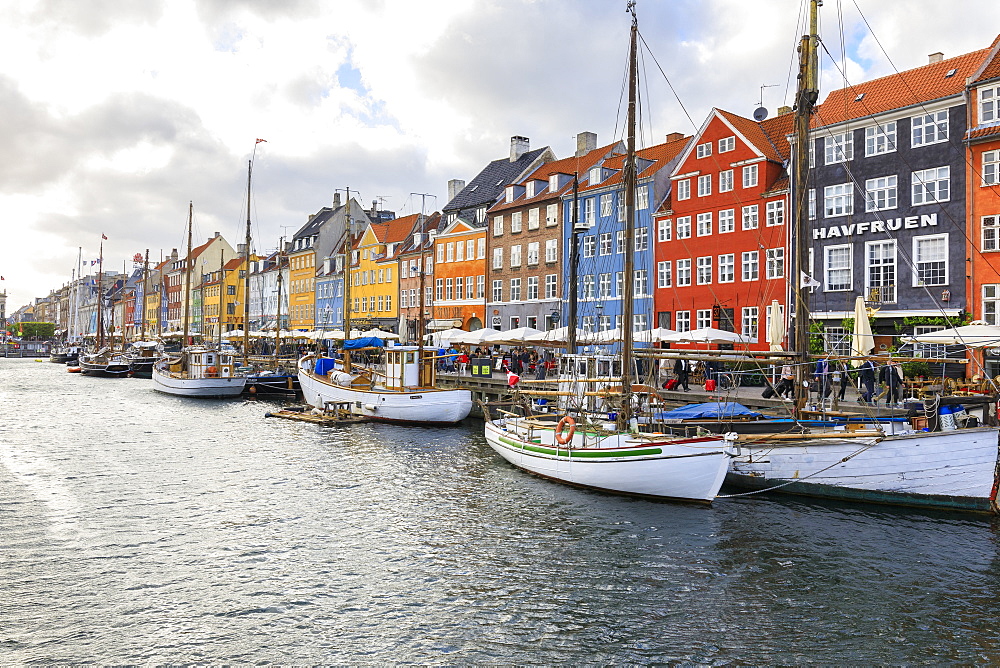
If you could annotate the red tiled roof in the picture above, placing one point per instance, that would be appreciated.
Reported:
(395, 230)
(980, 132)
(921, 84)
(235, 263)
(768, 136)
(991, 69)
(659, 155)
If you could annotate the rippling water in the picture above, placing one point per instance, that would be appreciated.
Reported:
(137, 527)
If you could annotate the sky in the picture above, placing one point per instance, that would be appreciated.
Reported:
(114, 114)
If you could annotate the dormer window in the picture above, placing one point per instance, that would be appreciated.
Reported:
(596, 175)
(509, 194)
(529, 189)
(554, 182)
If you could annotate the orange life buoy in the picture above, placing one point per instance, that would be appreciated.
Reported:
(561, 438)
(212, 372)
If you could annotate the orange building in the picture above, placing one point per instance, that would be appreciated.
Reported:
(460, 277)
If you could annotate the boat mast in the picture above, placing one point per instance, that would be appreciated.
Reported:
(348, 242)
(574, 266)
(246, 272)
(277, 314)
(222, 292)
(629, 183)
(187, 278)
(420, 314)
(805, 101)
(145, 292)
(100, 297)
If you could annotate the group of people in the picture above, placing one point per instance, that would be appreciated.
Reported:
(518, 360)
(830, 374)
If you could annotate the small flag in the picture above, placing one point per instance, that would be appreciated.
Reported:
(260, 140)
(104, 237)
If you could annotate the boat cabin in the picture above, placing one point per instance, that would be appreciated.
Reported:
(403, 369)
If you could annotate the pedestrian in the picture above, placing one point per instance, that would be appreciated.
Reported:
(822, 376)
(892, 376)
(463, 363)
(786, 384)
(866, 378)
(683, 369)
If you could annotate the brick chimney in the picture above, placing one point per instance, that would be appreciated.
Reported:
(585, 143)
(784, 110)
(935, 58)
(674, 136)
(518, 147)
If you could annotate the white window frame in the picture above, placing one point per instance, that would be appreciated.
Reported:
(990, 295)
(750, 176)
(604, 244)
(664, 274)
(750, 266)
(881, 193)
(703, 150)
(705, 185)
(515, 256)
(682, 321)
(642, 198)
(725, 181)
(750, 217)
(641, 238)
(703, 318)
(775, 262)
(532, 292)
(750, 322)
(551, 286)
(515, 289)
(727, 268)
(838, 252)
(552, 215)
(683, 272)
(533, 252)
(775, 213)
(727, 144)
(919, 260)
(989, 104)
(684, 189)
(880, 139)
(727, 221)
(838, 147)
(664, 229)
(989, 227)
(498, 257)
(930, 186)
(589, 245)
(838, 200)
(515, 222)
(684, 227)
(991, 168)
(704, 223)
(704, 270)
(930, 128)
(606, 205)
(551, 250)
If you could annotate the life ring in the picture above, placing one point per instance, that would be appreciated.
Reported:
(561, 438)
(211, 372)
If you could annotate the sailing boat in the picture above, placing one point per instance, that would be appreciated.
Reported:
(891, 462)
(104, 361)
(405, 392)
(197, 370)
(613, 455)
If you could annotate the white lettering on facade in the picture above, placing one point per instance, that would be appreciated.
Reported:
(876, 226)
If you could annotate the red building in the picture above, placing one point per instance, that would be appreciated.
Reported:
(721, 236)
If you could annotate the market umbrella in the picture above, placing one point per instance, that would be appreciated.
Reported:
(472, 338)
(776, 325)
(559, 337)
(975, 335)
(379, 334)
(704, 335)
(512, 336)
(443, 337)
(862, 340)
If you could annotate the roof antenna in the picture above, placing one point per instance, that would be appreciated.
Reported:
(760, 113)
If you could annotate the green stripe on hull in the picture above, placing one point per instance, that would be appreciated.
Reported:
(578, 454)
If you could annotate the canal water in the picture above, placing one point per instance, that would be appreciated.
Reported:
(141, 528)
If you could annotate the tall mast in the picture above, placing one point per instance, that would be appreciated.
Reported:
(100, 297)
(246, 272)
(574, 266)
(145, 291)
(420, 314)
(277, 314)
(629, 183)
(222, 292)
(805, 101)
(187, 277)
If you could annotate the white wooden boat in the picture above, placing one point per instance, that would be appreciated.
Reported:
(397, 396)
(650, 465)
(198, 371)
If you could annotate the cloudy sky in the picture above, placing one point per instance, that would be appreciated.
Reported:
(115, 113)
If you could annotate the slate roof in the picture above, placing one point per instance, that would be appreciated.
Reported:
(658, 156)
(311, 228)
(897, 91)
(489, 184)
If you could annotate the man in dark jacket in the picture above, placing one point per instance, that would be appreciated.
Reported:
(892, 376)
(866, 376)
(683, 369)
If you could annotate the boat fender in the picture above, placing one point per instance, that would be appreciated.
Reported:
(564, 438)
(211, 372)
(371, 407)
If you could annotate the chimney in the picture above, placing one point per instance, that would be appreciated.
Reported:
(215, 237)
(374, 209)
(241, 249)
(173, 255)
(518, 147)
(674, 136)
(935, 58)
(336, 200)
(784, 110)
(455, 186)
(585, 143)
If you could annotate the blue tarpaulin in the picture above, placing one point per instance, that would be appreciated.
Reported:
(323, 366)
(364, 342)
(711, 410)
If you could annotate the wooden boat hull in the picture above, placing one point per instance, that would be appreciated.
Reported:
(954, 470)
(679, 469)
(207, 388)
(425, 406)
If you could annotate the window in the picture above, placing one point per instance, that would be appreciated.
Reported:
(880, 193)
(750, 217)
(705, 185)
(684, 227)
(498, 258)
(991, 233)
(704, 150)
(727, 144)
(837, 341)
(604, 247)
(533, 287)
(748, 322)
(440, 253)
(470, 249)
(620, 241)
(480, 286)
(839, 147)
(703, 318)
(551, 283)
(683, 320)
(663, 274)
(641, 238)
(991, 175)
(991, 303)
(988, 108)
(684, 189)
(928, 349)
(588, 323)
(604, 323)
(704, 224)
(704, 271)
(604, 286)
(727, 221)
(664, 229)
(449, 288)
(750, 263)
(750, 176)
(930, 255)
(587, 287)
(533, 219)
(929, 128)
(459, 287)
(838, 268)
(515, 289)
(381, 302)
(588, 211)
(450, 254)
(725, 181)
(776, 213)
(230, 289)
(459, 252)
(606, 204)
(683, 272)
(641, 283)
(515, 221)
(533, 253)
(515, 256)
(880, 279)
(727, 268)
(596, 175)
(880, 138)
(551, 250)
(931, 185)
(642, 198)
(838, 200)
(775, 262)
(480, 248)
(589, 246)
(640, 322)
(551, 215)
(620, 283)
(812, 204)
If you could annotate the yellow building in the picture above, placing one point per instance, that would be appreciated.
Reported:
(302, 287)
(374, 278)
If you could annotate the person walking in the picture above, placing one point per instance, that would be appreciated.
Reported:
(866, 378)
(892, 375)
(786, 385)
(683, 369)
